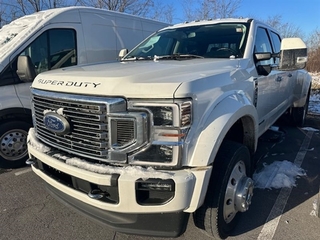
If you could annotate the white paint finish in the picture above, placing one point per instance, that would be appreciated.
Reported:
(188, 186)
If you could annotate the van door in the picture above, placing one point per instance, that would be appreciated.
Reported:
(53, 49)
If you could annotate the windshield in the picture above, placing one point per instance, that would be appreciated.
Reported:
(15, 32)
(227, 40)
(8, 32)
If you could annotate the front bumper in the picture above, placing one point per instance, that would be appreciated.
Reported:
(124, 213)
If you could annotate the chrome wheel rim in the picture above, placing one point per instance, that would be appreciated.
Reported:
(238, 193)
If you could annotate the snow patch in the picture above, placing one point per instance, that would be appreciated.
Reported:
(144, 173)
(310, 129)
(33, 141)
(314, 101)
(315, 208)
(58, 111)
(277, 175)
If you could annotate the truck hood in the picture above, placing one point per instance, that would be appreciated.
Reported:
(139, 79)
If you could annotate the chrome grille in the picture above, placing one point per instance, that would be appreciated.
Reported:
(89, 136)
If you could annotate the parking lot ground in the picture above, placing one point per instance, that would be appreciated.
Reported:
(27, 211)
(286, 213)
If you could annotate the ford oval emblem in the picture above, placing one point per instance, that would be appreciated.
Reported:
(56, 123)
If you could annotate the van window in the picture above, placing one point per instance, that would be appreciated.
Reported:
(55, 48)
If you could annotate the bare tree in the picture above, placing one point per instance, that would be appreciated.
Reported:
(210, 9)
(162, 12)
(136, 7)
(313, 40)
(154, 9)
(313, 43)
(286, 29)
(17, 8)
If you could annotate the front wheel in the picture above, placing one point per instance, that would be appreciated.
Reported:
(13, 143)
(230, 191)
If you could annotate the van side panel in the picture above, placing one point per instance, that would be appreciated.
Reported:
(6, 99)
(130, 32)
(99, 36)
(149, 26)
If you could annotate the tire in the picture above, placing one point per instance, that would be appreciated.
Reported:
(229, 191)
(299, 114)
(13, 144)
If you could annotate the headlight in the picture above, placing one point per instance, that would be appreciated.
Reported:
(170, 122)
(162, 116)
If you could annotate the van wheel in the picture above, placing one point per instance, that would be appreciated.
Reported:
(13, 143)
(299, 114)
(230, 191)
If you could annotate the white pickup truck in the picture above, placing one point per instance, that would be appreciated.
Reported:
(169, 130)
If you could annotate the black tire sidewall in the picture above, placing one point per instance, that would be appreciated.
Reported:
(209, 216)
(241, 153)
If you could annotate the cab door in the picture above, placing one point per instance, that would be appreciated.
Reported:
(268, 82)
(286, 79)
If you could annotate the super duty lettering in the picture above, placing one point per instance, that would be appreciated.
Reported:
(68, 83)
(172, 128)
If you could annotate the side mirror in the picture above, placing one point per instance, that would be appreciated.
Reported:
(25, 69)
(293, 54)
(123, 52)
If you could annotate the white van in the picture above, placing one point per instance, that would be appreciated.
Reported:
(52, 39)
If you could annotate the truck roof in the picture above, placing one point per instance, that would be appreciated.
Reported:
(218, 21)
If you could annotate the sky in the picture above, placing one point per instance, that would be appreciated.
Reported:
(300, 13)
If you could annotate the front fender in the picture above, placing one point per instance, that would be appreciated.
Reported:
(213, 128)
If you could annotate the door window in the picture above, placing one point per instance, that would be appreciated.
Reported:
(276, 44)
(263, 45)
(55, 48)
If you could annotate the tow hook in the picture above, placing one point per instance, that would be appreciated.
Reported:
(97, 194)
(30, 161)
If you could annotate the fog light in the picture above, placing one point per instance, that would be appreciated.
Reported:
(154, 191)
(156, 185)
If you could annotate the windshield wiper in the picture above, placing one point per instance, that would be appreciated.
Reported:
(134, 58)
(176, 56)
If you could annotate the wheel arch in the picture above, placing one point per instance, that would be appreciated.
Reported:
(22, 114)
(232, 120)
(302, 89)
